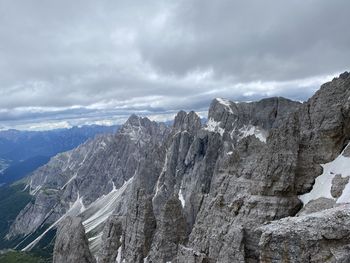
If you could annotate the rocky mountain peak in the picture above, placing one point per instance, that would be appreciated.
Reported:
(241, 119)
(344, 75)
(262, 113)
(142, 129)
(137, 121)
(184, 121)
(194, 193)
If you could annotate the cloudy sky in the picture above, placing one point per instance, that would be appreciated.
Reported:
(68, 62)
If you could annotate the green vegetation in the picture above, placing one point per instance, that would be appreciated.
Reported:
(20, 257)
(44, 247)
(12, 200)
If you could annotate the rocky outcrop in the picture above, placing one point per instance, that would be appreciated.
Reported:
(140, 225)
(95, 179)
(189, 122)
(266, 113)
(346, 152)
(325, 122)
(317, 205)
(319, 237)
(338, 185)
(201, 193)
(71, 244)
(185, 129)
(261, 182)
(171, 232)
(111, 240)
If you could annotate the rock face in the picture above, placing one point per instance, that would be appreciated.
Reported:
(94, 180)
(338, 185)
(71, 244)
(171, 232)
(140, 226)
(201, 193)
(111, 240)
(319, 237)
(317, 205)
(261, 182)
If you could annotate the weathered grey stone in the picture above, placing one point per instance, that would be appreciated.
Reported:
(262, 185)
(171, 232)
(317, 205)
(325, 123)
(140, 225)
(71, 244)
(338, 185)
(111, 240)
(92, 170)
(190, 256)
(319, 237)
(201, 194)
(266, 113)
(189, 122)
(346, 152)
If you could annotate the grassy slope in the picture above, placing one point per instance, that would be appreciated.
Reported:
(20, 257)
(12, 200)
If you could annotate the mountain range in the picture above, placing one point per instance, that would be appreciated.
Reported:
(264, 181)
(21, 152)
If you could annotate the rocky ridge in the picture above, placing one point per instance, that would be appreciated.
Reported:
(197, 193)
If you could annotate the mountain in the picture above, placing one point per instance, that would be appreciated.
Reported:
(264, 181)
(21, 152)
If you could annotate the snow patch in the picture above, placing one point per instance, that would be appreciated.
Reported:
(226, 103)
(248, 130)
(158, 182)
(134, 131)
(103, 144)
(119, 255)
(181, 198)
(180, 195)
(214, 126)
(323, 183)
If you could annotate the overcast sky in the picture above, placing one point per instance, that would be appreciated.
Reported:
(67, 62)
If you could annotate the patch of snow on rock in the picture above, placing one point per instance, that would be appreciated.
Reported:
(248, 130)
(323, 183)
(181, 198)
(214, 126)
(119, 255)
(180, 195)
(226, 103)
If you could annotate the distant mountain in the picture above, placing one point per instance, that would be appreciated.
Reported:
(21, 152)
(23, 168)
(20, 145)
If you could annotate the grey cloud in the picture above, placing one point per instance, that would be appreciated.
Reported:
(85, 60)
(266, 40)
